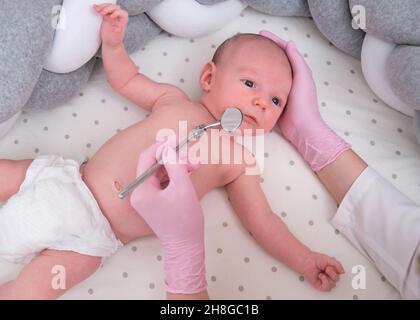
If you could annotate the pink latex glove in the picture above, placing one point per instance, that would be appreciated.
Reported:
(301, 123)
(176, 217)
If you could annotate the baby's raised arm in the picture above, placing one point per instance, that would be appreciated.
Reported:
(121, 72)
(251, 205)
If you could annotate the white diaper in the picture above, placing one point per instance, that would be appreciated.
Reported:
(54, 209)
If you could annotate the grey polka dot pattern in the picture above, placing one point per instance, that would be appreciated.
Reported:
(77, 129)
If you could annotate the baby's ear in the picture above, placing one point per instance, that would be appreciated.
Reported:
(206, 77)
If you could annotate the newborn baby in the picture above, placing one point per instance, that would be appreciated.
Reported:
(60, 213)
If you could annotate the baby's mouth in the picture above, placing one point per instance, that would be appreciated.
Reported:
(250, 119)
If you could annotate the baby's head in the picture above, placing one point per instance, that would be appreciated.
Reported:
(252, 73)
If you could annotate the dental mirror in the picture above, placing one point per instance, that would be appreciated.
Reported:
(230, 121)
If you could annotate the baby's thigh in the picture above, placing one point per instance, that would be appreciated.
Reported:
(52, 273)
(12, 174)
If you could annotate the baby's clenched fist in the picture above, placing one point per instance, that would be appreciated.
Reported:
(113, 25)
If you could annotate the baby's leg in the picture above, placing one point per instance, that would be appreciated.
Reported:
(12, 174)
(50, 275)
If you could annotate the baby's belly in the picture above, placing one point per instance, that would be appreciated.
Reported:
(105, 183)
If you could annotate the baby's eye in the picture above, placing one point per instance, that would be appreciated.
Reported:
(276, 101)
(249, 83)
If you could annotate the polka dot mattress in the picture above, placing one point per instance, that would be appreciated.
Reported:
(237, 268)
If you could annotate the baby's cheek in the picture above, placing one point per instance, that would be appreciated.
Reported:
(274, 116)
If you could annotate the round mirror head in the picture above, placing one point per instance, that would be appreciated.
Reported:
(231, 119)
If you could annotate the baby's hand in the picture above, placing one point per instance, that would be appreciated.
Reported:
(113, 25)
(322, 271)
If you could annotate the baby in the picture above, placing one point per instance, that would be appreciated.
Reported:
(60, 214)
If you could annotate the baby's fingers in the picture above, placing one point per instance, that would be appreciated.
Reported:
(330, 271)
(336, 265)
(325, 283)
(107, 8)
(119, 14)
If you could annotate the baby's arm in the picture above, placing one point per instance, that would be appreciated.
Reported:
(121, 72)
(250, 204)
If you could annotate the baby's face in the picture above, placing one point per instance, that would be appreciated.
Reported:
(253, 75)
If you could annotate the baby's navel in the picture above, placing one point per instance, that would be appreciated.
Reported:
(117, 186)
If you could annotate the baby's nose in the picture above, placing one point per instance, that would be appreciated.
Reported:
(260, 102)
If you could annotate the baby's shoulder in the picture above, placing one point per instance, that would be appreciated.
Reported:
(172, 97)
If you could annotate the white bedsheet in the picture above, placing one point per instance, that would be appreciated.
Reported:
(237, 268)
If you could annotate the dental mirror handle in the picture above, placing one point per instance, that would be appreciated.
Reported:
(198, 131)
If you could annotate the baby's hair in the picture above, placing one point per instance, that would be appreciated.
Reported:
(230, 41)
